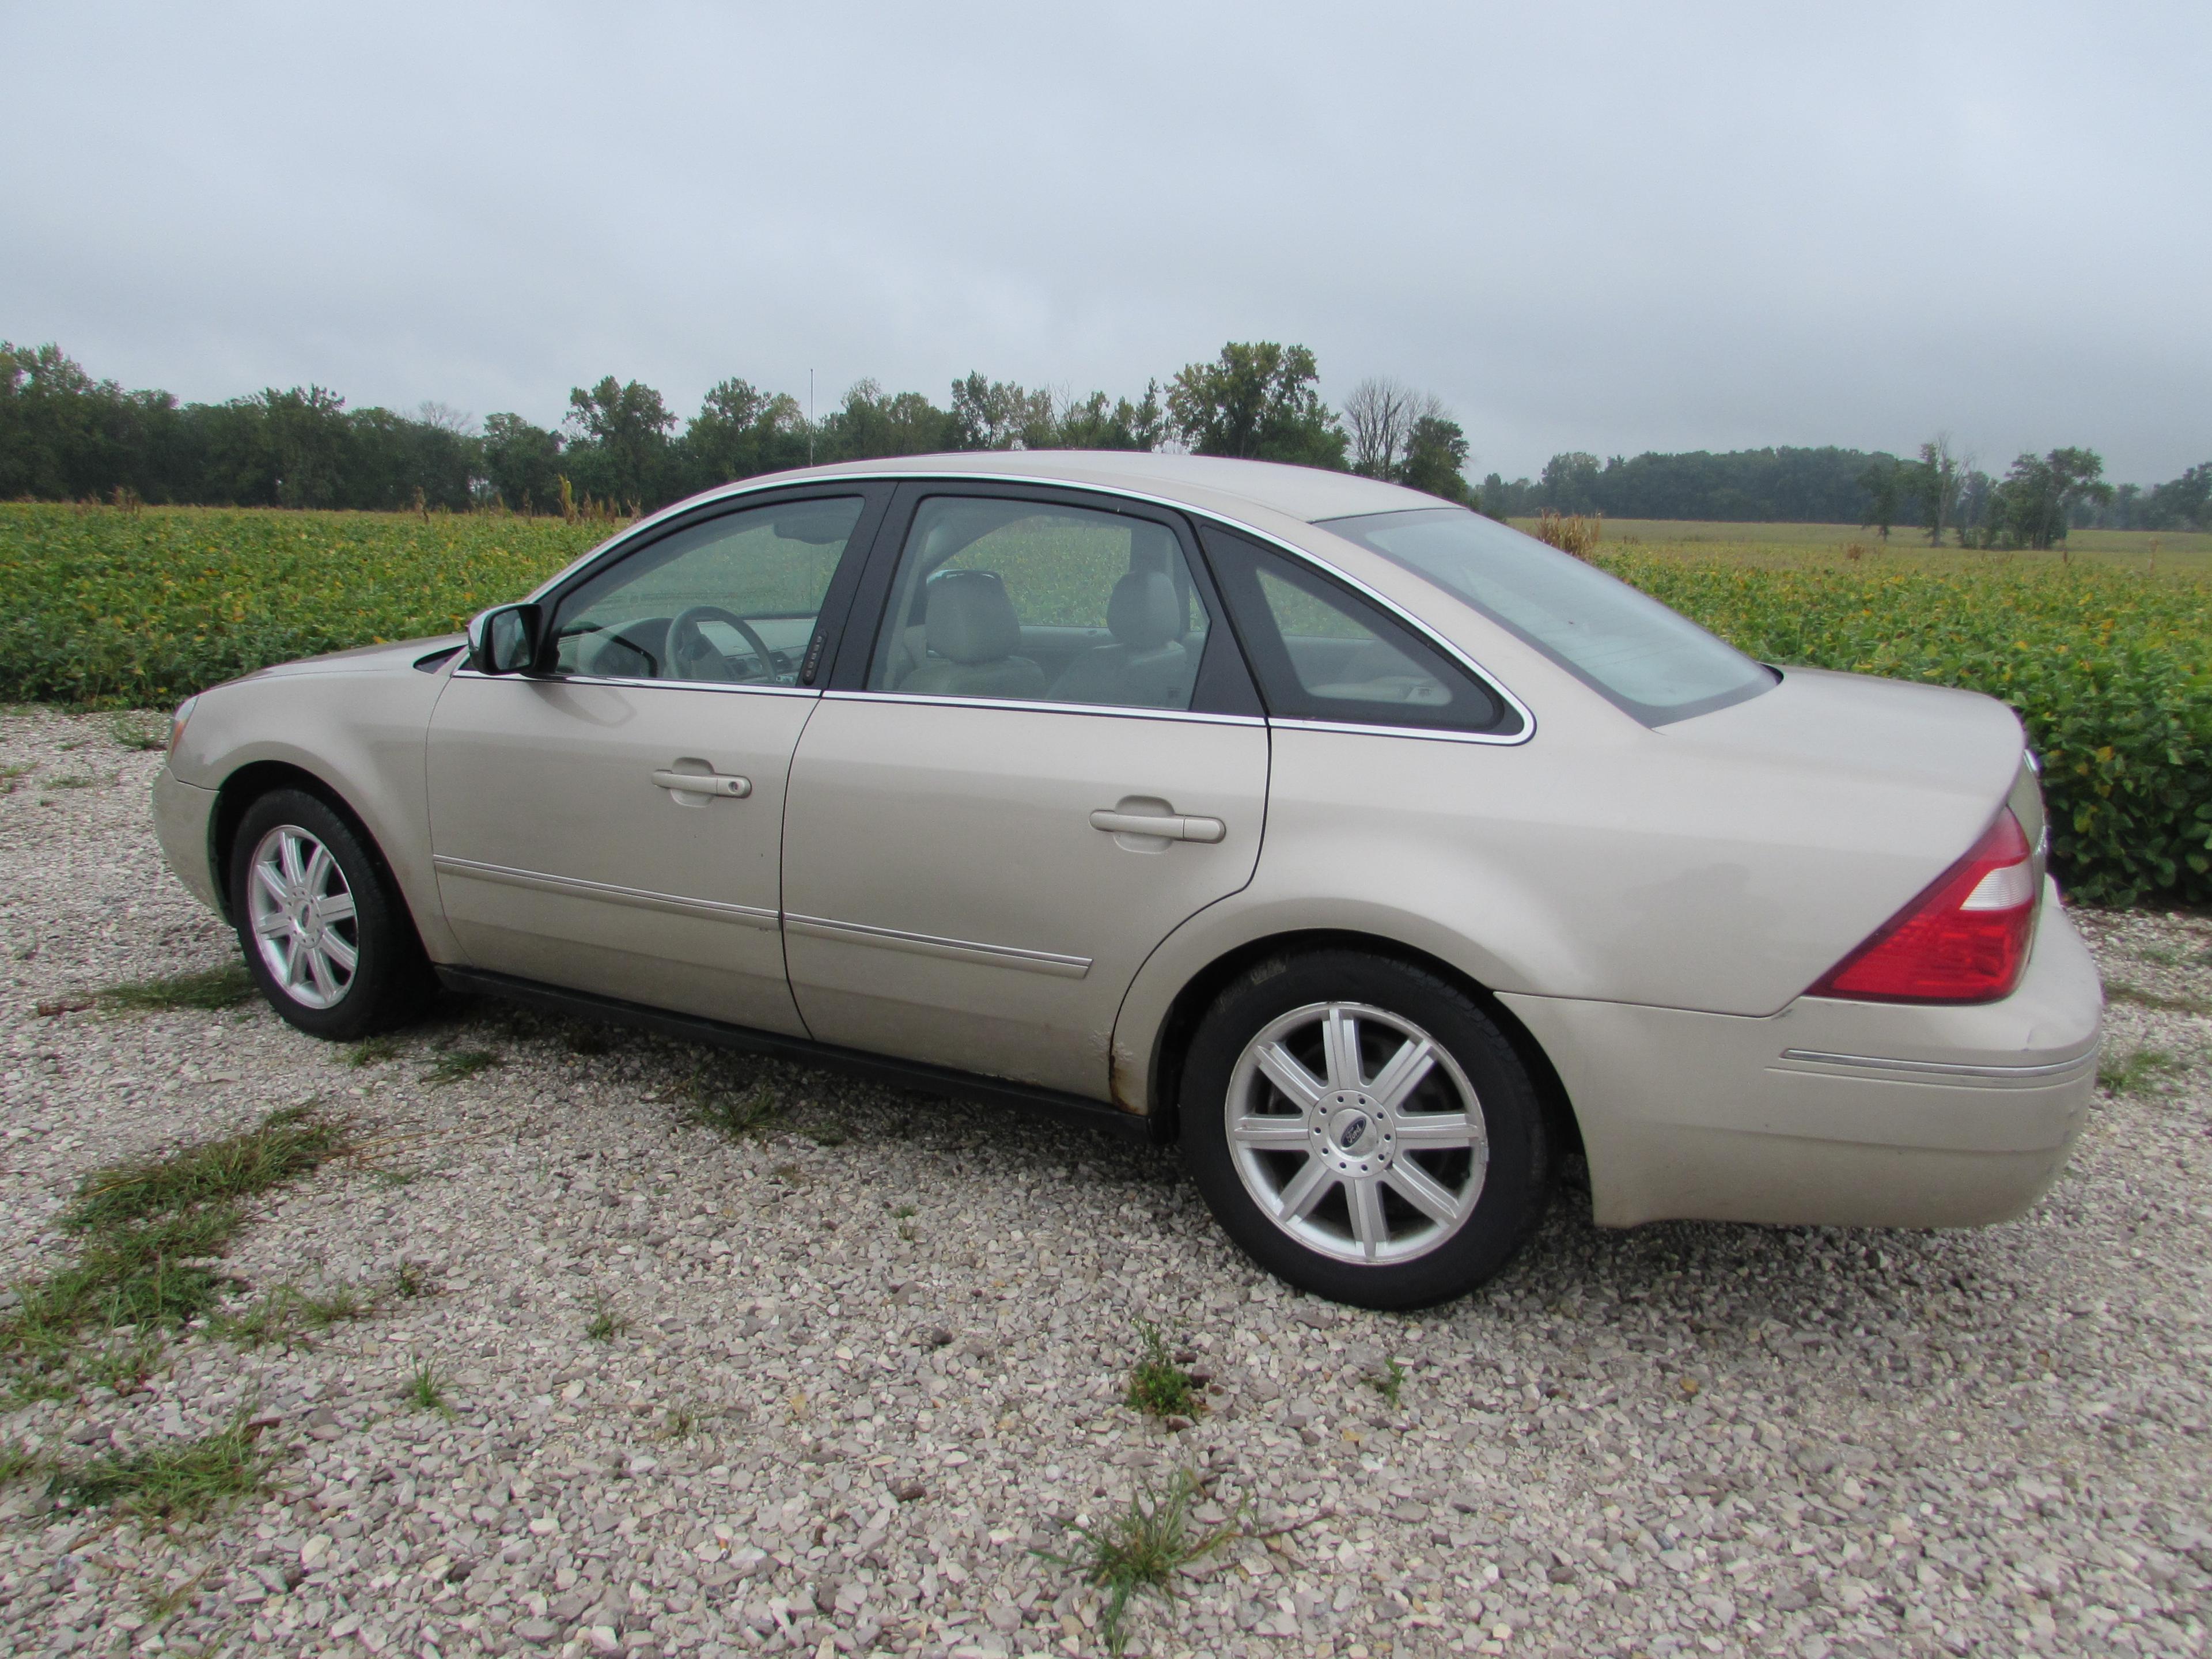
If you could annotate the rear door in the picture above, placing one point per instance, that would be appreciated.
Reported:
(1045, 756)
(613, 822)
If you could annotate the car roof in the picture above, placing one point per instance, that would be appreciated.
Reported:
(1207, 482)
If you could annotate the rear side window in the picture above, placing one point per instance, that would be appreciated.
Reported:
(1324, 653)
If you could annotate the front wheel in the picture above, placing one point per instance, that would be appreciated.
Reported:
(1363, 1129)
(325, 934)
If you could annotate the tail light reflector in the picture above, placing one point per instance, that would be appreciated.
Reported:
(1965, 939)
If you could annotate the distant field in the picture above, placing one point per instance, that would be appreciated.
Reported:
(2109, 664)
(1771, 544)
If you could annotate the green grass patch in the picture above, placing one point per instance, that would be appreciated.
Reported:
(458, 1064)
(373, 1051)
(2158, 1000)
(1387, 1381)
(284, 1145)
(288, 1315)
(150, 1233)
(604, 1324)
(425, 1389)
(2133, 1073)
(181, 1481)
(741, 1112)
(138, 732)
(207, 988)
(1139, 1550)
(1159, 1386)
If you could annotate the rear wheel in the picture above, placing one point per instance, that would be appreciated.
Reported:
(325, 935)
(1363, 1129)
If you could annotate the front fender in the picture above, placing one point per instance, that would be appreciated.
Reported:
(362, 735)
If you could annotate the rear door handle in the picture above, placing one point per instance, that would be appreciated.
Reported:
(1175, 826)
(728, 785)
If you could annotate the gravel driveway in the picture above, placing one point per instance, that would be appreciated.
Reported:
(830, 1386)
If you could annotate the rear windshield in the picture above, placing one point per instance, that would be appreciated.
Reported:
(1653, 662)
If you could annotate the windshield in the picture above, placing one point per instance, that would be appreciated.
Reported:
(1653, 663)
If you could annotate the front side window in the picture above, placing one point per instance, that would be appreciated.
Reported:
(1021, 601)
(1324, 653)
(730, 601)
(1656, 663)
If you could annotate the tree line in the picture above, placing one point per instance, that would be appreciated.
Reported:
(65, 436)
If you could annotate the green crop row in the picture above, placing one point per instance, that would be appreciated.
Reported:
(144, 608)
(2111, 670)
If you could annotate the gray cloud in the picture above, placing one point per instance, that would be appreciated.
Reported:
(1605, 226)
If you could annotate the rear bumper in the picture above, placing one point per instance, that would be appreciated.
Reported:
(182, 812)
(1844, 1114)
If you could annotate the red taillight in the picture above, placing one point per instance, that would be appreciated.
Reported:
(1965, 940)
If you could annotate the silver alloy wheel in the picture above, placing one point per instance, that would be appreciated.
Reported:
(303, 918)
(1356, 1132)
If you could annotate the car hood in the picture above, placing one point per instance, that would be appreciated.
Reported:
(363, 660)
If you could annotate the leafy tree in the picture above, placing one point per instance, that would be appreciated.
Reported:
(1258, 401)
(622, 446)
(1933, 481)
(2182, 502)
(1091, 425)
(1001, 415)
(1435, 459)
(1569, 483)
(522, 462)
(873, 422)
(1883, 480)
(2033, 506)
(740, 432)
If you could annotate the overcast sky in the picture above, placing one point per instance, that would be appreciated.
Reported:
(1612, 228)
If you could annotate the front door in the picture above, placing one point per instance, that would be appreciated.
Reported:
(1050, 757)
(614, 823)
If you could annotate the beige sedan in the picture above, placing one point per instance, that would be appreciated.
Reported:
(1376, 853)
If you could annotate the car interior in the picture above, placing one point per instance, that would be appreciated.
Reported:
(998, 599)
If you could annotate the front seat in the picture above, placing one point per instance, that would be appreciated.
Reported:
(971, 633)
(1146, 666)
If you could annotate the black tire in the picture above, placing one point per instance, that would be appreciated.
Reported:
(389, 980)
(1508, 1193)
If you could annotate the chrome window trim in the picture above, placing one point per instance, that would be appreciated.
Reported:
(738, 492)
(1434, 733)
(666, 685)
(931, 945)
(1026, 706)
(1938, 1068)
(747, 916)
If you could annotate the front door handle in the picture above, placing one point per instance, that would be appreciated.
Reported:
(1170, 826)
(728, 785)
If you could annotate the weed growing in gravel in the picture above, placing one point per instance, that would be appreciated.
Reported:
(13, 772)
(828, 1135)
(286, 1144)
(681, 1423)
(412, 1280)
(2131, 1073)
(741, 1114)
(149, 1229)
(138, 732)
(78, 781)
(177, 1481)
(605, 1324)
(426, 1390)
(288, 1314)
(211, 989)
(457, 1064)
(1140, 1549)
(15, 1461)
(1159, 1386)
(1387, 1381)
(373, 1051)
(2142, 999)
(122, 1370)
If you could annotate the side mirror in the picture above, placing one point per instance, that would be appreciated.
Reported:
(505, 640)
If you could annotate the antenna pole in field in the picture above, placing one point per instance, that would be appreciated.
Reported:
(810, 417)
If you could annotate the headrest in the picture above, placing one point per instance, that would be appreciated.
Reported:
(969, 619)
(1144, 613)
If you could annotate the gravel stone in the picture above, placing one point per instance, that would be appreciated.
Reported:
(823, 1426)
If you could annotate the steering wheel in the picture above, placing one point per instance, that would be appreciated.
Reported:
(693, 656)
